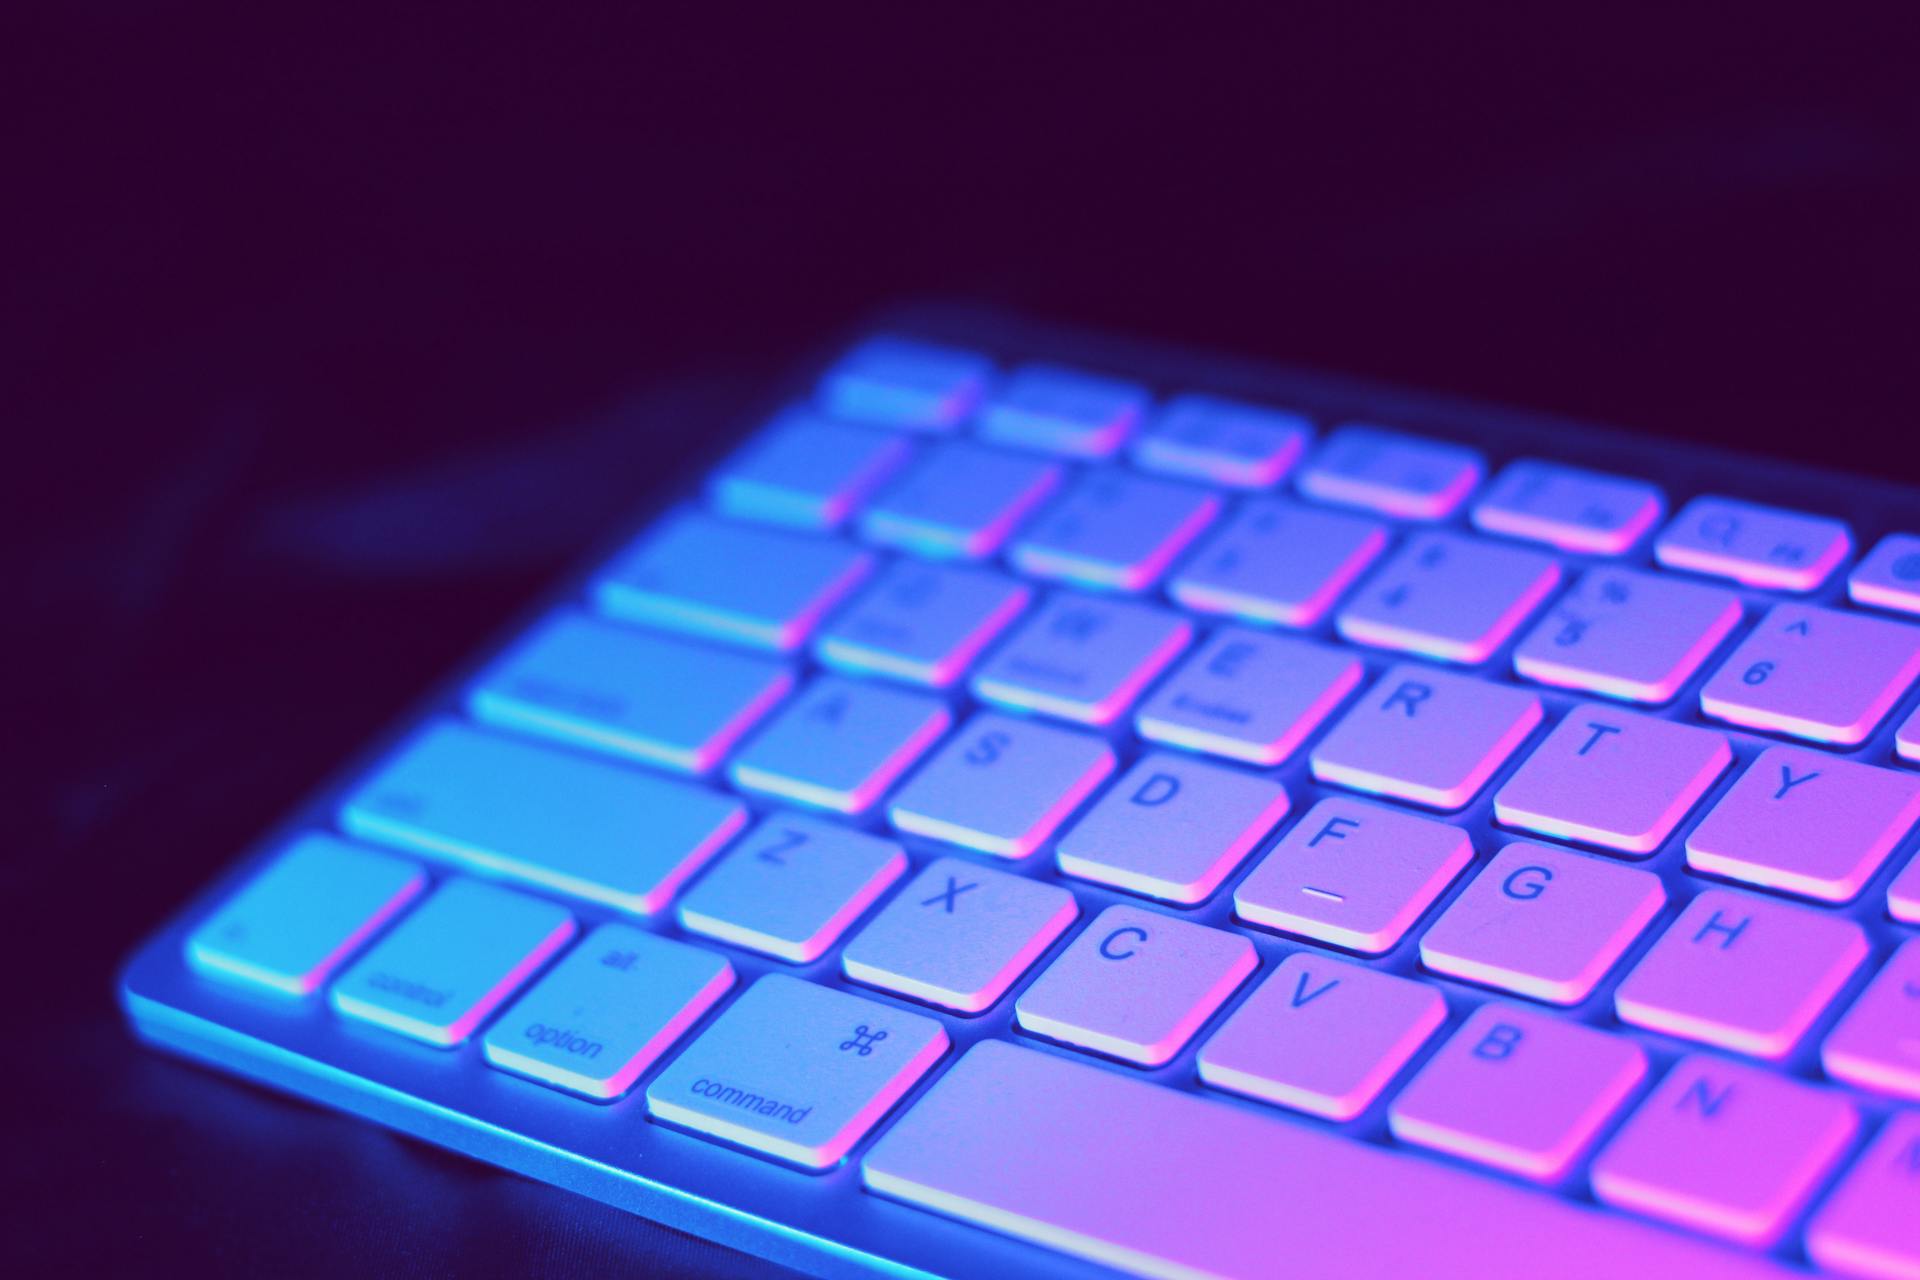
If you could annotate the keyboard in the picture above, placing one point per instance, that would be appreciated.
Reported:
(1047, 804)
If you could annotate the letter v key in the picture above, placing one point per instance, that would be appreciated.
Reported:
(1303, 996)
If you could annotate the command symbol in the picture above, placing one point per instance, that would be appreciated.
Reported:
(863, 1040)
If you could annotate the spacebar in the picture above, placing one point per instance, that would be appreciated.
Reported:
(1165, 1183)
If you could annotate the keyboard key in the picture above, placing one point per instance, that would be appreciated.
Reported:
(1081, 658)
(1278, 562)
(1543, 922)
(1225, 442)
(668, 702)
(923, 623)
(961, 501)
(1001, 785)
(1519, 1091)
(566, 823)
(1742, 972)
(1876, 1044)
(841, 744)
(791, 887)
(1172, 828)
(1804, 822)
(1867, 1227)
(796, 1071)
(1063, 411)
(959, 935)
(1136, 985)
(1428, 736)
(608, 1011)
(1725, 1149)
(741, 583)
(1187, 1186)
(1394, 474)
(1612, 778)
(1889, 577)
(1353, 874)
(304, 915)
(1586, 512)
(1907, 739)
(807, 472)
(1903, 895)
(443, 970)
(1249, 696)
(1626, 634)
(1322, 1036)
(1755, 545)
(1815, 673)
(1448, 596)
(1114, 530)
(898, 382)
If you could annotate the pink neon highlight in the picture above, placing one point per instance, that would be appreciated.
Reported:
(510, 982)
(307, 983)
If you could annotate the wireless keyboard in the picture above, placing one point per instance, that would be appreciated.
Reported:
(1047, 803)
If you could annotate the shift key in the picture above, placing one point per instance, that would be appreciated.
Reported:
(796, 1071)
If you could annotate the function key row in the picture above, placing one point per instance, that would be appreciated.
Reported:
(1042, 410)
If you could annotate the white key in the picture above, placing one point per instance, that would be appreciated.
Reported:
(1725, 1149)
(1889, 577)
(1063, 411)
(923, 623)
(1587, 512)
(596, 1021)
(959, 935)
(1172, 828)
(1188, 1186)
(1876, 1045)
(1755, 545)
(1627, 634)
(840, 745)
(567, 823)
(1114, 530)
(298, 920)
(1815, 673)
(1903, 895)
(1001, 785)
(1804, 822)
(900, 382)
(1397, 475)
(745, 584)
(1081, 658)
(1519, 1091)
(1906, 741)
(1278, 562)
(1543, 922)
(1136, 985)
(443, 970)
(1219, 441)
(1742, 972)
(1613, 778)
(1249, 696)
(1867, 1227)
(1353, 874)
(1322, 1036)
(791, 887)
(960, 501)
(673, 703)
(1428, 736)
(807, 472)
(1449, 596)
(796, 1071)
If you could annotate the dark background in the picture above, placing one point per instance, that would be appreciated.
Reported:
(323, 343)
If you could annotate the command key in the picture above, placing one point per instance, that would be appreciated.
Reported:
(796, 1071)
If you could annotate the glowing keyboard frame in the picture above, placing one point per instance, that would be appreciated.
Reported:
(827, 1223)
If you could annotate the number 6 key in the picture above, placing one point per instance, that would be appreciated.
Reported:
(1815, 673)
